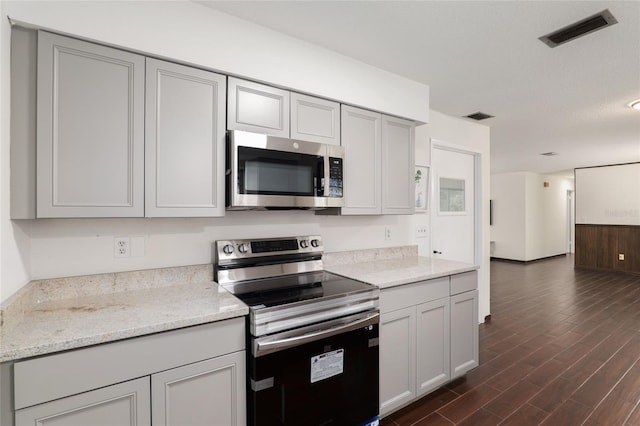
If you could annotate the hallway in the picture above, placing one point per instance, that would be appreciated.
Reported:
(562, 348)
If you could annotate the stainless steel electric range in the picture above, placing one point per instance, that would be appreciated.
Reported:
(312, 336)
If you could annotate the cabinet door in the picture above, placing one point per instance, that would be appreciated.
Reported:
(397, 359)
(122, 404)
(210, 392)
(464, 333)
(185, 140)
(90, 130)
(361, 138)
(257, 108)
(314, 119)
(433, 357)
(398, 166)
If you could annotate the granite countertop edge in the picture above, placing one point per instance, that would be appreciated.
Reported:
(115, 317)
(397, 272)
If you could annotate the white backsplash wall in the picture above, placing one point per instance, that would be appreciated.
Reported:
(68, 247)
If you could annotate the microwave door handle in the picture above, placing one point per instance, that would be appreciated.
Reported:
(322, 167)
(264, 348)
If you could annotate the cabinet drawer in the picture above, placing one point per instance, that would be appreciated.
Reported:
(97, 366)
(413, 294)
(464, 282)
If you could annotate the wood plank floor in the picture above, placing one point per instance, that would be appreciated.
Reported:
(562, 348)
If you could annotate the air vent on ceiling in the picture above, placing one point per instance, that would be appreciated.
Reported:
(571, 32)
(549, 154)
(479, 116)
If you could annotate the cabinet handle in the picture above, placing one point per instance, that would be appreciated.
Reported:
(437, 252)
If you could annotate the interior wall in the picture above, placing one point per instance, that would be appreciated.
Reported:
(14, 238)
(547, 232)
(194, 34)
(187, 31)
(508, 232)
(608, 195)
(530, 220)
(462, 134)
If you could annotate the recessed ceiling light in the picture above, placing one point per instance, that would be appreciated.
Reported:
(635, 104)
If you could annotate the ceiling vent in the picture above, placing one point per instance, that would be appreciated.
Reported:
(549, 154)
(580, 28)
(479, 116)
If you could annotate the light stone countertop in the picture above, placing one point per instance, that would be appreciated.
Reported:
(53, 315)
(46, 326)
(402, 269)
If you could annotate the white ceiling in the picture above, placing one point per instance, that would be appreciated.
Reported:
(486, 56)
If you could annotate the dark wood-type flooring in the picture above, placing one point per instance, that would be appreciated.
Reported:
(562, 348)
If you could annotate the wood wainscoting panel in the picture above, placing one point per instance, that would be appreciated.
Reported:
(599, 247)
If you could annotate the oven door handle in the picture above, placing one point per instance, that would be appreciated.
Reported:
(267, 347)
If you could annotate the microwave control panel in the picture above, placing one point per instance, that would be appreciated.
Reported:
(335, 177)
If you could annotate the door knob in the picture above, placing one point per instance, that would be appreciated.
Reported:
(437, 252)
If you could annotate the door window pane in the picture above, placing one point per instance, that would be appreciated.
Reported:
(452, 195)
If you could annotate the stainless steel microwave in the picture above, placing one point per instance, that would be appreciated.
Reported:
(268, 172)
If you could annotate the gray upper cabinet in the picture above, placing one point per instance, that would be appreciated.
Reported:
(314, 119)
(257, 108)
(361, 140)
(90, 130)
(184, 142)
(398, 165)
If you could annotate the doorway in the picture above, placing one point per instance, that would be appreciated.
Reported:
(454, 201)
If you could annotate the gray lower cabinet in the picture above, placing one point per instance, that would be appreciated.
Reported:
(184, 141)
(210, 392)
(122, 404)
(428, 336)
(464, 333)
(191, 376)
(90, 130)
(433, 349)
(397, 358)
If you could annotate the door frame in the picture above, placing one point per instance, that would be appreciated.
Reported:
(571, 221)
(477, 196)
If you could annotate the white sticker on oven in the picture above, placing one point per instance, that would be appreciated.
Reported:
(327, 365)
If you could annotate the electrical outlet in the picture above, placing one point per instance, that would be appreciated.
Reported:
(421, 232)
(121, 247)
(387, 233)
(621, 256)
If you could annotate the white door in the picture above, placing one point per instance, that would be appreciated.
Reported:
(453, 217)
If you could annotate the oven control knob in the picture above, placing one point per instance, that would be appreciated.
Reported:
(304, 244)
(315, 243)
(243, 248)
(228, 249)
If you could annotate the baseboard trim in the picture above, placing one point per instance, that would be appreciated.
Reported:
(524, 262)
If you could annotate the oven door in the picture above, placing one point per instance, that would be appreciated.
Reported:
(324, 374)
